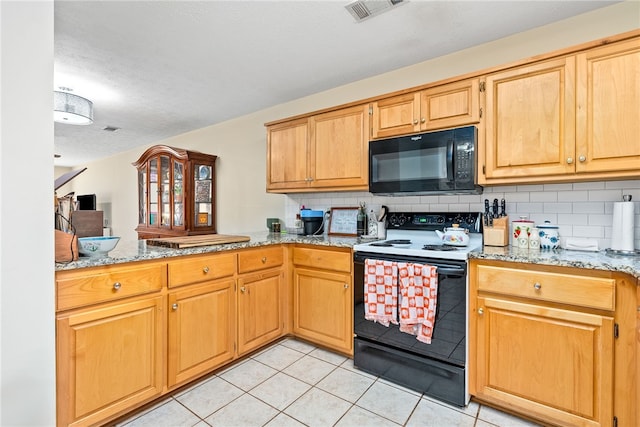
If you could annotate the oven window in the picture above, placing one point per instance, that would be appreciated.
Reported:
(426, 163)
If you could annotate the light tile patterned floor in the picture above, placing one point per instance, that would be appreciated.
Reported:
(293, 383)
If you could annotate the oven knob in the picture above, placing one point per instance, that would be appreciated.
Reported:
(393, 220)
(440, 220)
(457, 220)
(402, 219)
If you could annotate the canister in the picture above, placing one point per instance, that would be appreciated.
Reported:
(521, 229)
(549, 235)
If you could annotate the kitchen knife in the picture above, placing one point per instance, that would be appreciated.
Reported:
(503, 208)
(486, 212)
(495, 208)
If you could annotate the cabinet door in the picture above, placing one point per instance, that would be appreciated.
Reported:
(201, 329)
(177, 195)
(108, 359)
(259, 309)
(287, 156)
(396, 115)
(608, 97)
(454, 104)
(323, 308)
(340, 149)
(530, 120)
(561, 369)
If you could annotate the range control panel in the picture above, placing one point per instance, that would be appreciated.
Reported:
(471, 221)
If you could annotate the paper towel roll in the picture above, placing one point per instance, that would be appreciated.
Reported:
(623, 226)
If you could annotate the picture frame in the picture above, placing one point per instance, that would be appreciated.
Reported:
(344, 222)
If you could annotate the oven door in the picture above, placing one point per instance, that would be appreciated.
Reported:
(436, 369)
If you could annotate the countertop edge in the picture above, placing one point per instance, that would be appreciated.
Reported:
(136, 251)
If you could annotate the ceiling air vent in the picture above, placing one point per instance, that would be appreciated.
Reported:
(364, 9)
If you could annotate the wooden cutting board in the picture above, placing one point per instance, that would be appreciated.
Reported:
(194, 241)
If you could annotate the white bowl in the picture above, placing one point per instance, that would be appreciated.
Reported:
(96, 246)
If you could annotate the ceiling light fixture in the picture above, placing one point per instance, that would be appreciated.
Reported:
(71, 109)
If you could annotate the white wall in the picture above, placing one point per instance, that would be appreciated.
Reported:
(243, 203)
(27, 334)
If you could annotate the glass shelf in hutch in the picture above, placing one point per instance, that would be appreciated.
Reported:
(176, 192)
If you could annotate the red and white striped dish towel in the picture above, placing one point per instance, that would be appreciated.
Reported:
(418, 299)
(381, 291)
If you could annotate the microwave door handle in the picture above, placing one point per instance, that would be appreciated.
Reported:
(450, 165)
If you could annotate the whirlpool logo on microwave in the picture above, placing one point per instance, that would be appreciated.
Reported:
(416, 138)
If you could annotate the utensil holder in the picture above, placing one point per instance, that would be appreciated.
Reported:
(66, 246)
(498, 234)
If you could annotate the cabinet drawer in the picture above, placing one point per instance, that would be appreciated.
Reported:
(324, 259)
(201, 268)
(259, 259)
(85, 287)
(594, 292)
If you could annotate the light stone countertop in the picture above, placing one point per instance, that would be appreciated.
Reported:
(565, 258)
(138, 250)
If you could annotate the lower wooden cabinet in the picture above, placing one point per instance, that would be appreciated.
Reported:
(201, 329)
(260, 317)
(109, 358)
(323, 297)
(551, 343)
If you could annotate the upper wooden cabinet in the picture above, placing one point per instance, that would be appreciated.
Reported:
(530, 120)
(326, 152)
(570, 118)
(608, 109)
(287, 155)
(449, 105)
(176, 192)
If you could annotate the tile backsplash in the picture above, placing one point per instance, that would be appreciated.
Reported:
(583, 209)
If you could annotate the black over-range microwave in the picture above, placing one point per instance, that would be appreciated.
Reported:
(440, 162)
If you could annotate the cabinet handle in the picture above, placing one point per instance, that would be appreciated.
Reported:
(415, 121)
(569, 160)
(481, 311)
(205, 270)
(537, 286)
(346, 286)
(422, 120)
(242, 289)
(117, 286)
(174, 306)
(582, 159)
(264, 259)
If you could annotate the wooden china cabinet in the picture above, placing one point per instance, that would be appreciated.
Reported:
(176, 192)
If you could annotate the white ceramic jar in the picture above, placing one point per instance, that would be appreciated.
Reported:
(549, 235)
(520, 231)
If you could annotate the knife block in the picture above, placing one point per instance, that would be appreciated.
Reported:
(498, 234)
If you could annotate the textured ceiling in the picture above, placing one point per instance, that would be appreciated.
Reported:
(156, 69)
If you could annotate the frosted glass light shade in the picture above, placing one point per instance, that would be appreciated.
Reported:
(72, 109)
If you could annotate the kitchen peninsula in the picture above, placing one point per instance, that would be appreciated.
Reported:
(156, 294)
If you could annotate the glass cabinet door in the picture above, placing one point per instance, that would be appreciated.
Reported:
(165, 191)
(203, 191)
(178, 194)
(154, 189)
(142, 195)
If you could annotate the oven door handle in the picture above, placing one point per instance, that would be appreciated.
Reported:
(455, 272)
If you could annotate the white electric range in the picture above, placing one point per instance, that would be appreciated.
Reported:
(413, 234)
(438, 369)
